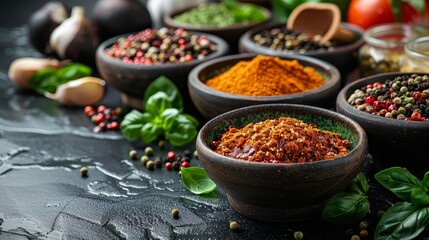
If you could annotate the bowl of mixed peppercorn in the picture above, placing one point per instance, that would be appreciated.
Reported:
(241, 80)
(276, 39)
(130, 62)
(281, 162)
(393, 108)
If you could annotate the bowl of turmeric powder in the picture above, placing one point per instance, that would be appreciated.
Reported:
(281, 162)
(230, 82)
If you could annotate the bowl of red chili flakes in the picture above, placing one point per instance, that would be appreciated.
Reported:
(281, 162)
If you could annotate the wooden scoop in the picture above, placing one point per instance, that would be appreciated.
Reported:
(322, 19)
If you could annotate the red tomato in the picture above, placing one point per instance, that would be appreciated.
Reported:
(366, 13)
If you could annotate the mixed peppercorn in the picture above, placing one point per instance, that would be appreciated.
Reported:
(404, 98)
(172, 161)
(163, 46)
(104, 118)
(291, 41)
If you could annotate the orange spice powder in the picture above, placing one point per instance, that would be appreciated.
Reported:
(267, 76)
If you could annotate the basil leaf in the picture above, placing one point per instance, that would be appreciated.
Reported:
(150, 132)
(182, 132)
(163, 84)
(346, 208)
(73, 71)
(168, 117)
(191, 119)
(419, 197)
(400, 181)
(43, 80)
(359, 185)
(197, 181)
(426, 181)
(157, 103)
(132, 123)
(402, 221)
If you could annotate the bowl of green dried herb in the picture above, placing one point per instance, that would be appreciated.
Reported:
(270, 158)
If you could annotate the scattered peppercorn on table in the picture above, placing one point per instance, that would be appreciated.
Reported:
(62, 177)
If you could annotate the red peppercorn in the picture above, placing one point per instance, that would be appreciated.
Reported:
(417, 95)
(98, 118)
(101, 109)
(185, 164)
(171, 155)
(114, 125)
(416, 116)
(369, 86)
(383, 112)
(168, 165)
(377, 105)
(88, 109)
(369, 99)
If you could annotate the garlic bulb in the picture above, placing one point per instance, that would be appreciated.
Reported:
(80, 92)
(21, 69)
(41, 24)
(74, 39)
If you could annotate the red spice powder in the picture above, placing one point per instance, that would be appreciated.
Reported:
(281, 140)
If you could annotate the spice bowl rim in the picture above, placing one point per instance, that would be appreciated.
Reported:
(169, 20)
(280, 192)
(245, 40)
(194, 78)
(222, 49)
(346, 91)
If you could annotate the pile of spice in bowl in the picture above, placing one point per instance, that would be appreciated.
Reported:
(270, 158)
(276, 39)
(130, 62)
(241, 80)
(281, 140)
(166, 45)
(226, 20)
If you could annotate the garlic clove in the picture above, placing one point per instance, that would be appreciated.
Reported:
(80, 92)
(21, 69)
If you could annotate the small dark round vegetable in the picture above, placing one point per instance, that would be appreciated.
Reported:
(115, 17)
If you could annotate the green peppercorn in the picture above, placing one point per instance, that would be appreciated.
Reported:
(150, 164)
(233, 225)
(144, 159)
(161, 144)
(363, 224)
(175, 213)
(84, 171)
(196, 154)
(148, 151)
(298, 235)
(133, 154)
(355, 237)
(388, 115)
(402, 110)
(403, 89)
(397, 100)
(401, 117)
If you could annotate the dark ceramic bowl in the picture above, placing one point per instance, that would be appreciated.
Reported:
(231, 34)
(211, 102)
(344, 57)
(285, 191)
(132, 79)
(392, 142)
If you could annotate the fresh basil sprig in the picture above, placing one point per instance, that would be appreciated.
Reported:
(350, 205)
(48, 79)
(404, 220)
(246, 12)
(196, 180)
(163, 115)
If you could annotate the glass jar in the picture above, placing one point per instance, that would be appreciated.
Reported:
(383, 48)
(416, 56)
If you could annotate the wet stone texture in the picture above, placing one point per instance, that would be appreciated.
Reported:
(44, 196)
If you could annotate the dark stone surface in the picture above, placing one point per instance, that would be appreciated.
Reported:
(43, 196)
